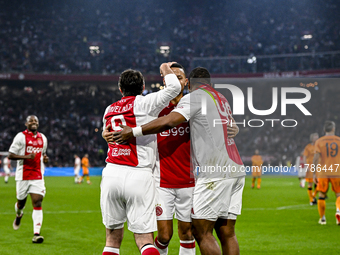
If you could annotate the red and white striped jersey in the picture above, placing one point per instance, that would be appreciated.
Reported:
(25, 143)
(173, 161)
(135, 111)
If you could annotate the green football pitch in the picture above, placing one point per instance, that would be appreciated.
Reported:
(277, 219)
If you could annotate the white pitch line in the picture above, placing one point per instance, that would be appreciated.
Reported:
(55, 212)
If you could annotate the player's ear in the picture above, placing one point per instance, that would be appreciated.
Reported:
(121, 91)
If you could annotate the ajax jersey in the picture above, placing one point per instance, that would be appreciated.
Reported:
(26, 143)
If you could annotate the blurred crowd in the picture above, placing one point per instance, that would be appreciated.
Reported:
(69, 116)
(55, 37)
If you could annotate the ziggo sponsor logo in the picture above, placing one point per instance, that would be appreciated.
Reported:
(31, 149)
(176, 131)
(121, 152)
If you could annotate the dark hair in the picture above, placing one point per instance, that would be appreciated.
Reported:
(329, 125)
(131, 82)
(177, 65)
(201, 74)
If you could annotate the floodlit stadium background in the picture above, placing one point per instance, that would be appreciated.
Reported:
(61, 60)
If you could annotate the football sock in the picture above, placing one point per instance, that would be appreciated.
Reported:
(37, 217)
(6, 178)
(187, 247)
(302, 182)
(258, 183)
(322, 207)
(310, 194)
(149, 249)
(337, 203)
(253, 182)
(162, 248)
(315, 192)
(17, 210)
(110, 251)
(88, 179)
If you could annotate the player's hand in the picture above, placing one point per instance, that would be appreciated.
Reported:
(232, 129)
(165, 68)
(315, 180)
(31, 156)
(45, 159)
(124, 135)
(107, 135)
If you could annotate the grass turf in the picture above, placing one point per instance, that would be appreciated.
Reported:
(276, 219)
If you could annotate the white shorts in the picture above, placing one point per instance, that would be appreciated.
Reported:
(220, 199)
(7, 170)
(301, 172)
(76, 171)
(30, 186)
(170, 201)
(128, 194)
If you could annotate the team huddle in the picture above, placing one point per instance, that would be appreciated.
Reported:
(157, 145)
(149, 178)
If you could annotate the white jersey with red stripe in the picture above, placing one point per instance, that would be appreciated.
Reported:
(135, 111)
(214, 155)
(25, 143)
(173, 157)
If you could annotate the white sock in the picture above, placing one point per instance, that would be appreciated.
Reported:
(37, 217)
(187, 247)
(148, 249)
(6, 178)
(17, 210)
(161, 248)
(111, 250)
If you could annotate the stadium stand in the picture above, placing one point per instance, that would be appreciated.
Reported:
(58, 40)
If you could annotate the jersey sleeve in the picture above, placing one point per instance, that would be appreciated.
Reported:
(45, 144)
(183, 107)
(317, 147)
(154, 103)
(305, 152)
(104, 120)
(17, 144)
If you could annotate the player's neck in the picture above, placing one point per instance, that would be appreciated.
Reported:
(33, 132)
(329, 133)
(176, 99)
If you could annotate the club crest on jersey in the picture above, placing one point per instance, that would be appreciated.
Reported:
(121, 152)
(39, 141)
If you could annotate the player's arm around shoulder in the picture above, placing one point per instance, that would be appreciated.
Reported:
(154, 103)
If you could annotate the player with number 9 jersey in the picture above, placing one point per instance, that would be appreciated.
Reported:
(127, 188)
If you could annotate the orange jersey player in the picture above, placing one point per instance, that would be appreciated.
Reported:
(256, 169)
(327, 151)
(85, 166)
(308, 158)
